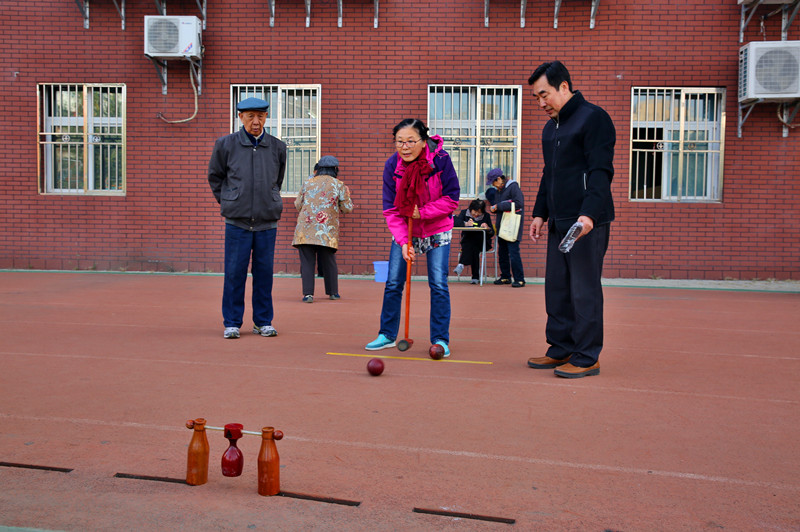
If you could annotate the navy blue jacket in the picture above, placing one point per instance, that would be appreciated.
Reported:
(578, 149)
(511, 193)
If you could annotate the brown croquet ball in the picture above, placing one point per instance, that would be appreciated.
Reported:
(436, 352)
(375, 366)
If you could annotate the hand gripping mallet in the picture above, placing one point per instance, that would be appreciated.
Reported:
(406, 343)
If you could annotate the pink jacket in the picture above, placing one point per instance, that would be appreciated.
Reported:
(436, 216)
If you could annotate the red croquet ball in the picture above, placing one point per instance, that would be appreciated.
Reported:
(436, 352)
(375, 366)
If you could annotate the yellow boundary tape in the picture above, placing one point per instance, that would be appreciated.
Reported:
(428, 359)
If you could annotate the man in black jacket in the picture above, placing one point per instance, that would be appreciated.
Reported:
(245, 173)
(578, 148)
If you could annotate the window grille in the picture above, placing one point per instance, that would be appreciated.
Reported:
(82, 139)
(677, 144)
(294, 118)
(480, 126)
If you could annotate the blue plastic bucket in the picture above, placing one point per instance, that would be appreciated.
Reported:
(381, 270)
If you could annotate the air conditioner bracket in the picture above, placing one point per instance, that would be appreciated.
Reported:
(161, 71)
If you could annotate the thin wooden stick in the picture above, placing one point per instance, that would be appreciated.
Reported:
(190, 425)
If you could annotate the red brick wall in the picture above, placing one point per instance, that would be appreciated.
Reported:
(168, 220)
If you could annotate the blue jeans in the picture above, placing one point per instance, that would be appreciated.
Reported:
(239, 245)
(437, 260)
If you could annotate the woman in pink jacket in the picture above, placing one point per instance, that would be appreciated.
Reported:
(420, 183)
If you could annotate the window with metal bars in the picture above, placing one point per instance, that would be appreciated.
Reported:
(677, 144)
(81, 129)
(480, 126)
(294, 113)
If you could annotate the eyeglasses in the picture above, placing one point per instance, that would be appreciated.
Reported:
(404, 143)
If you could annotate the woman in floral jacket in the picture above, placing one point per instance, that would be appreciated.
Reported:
(320, 201)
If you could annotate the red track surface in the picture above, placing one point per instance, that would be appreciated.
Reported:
(692, 424)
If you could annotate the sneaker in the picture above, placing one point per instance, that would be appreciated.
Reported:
(231, 332)
(308, 299)
(335, 296)
(381, 342)
(446, 349)
(517, 284)
(265, 330)
(459, 269)
(502, 281)
(474, 281)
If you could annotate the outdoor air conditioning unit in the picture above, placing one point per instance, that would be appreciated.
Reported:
(769, 70)
(172, 37)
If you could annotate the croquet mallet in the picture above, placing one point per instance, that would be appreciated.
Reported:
(406, 343)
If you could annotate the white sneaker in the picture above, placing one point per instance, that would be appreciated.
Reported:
(459, 269)
(231, 332)
(265, 330)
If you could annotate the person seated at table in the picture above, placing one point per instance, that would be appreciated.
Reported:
(472, 241)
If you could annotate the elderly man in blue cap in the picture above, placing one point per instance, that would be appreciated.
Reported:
(246, 172)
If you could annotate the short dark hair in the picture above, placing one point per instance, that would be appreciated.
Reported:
(477, 205)
(555, 72)
(417, 124)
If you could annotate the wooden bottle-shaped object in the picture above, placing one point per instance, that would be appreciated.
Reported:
(197, 462)
(269, 463)
(232, 458)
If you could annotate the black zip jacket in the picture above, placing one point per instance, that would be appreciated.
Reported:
(578, 149)
(460, 220)
(246, 180)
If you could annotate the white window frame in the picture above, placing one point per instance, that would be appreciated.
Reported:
(472, 130)
(81, 133)
(666, 163)
(302, 134)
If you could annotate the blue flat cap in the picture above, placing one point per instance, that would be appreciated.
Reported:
(327, 165)
(328, 161)
(493, 175)
(252, 104)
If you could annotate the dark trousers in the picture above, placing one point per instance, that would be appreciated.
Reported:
(309, 254)
(573, 296)
(509, 259)
(471, 254)
(240, 244)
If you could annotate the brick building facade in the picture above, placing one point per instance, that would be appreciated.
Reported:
(367, 78)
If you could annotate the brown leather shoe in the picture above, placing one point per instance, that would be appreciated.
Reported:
(574, 372)
(546, 362)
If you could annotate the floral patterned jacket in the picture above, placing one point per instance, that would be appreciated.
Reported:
(320, 201)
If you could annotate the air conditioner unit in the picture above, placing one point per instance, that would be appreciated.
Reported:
(172, 37)
(769, 70)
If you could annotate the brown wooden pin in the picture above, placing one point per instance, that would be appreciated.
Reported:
(197, 460)
(269, 463)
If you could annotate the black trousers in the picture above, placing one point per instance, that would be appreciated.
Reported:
(309, 254)
(471, 254)
(573, 296)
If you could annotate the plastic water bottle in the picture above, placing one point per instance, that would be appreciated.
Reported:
(569, 240)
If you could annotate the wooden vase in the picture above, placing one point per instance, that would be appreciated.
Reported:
(232, 458)
(269, 464)
(197, 461)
